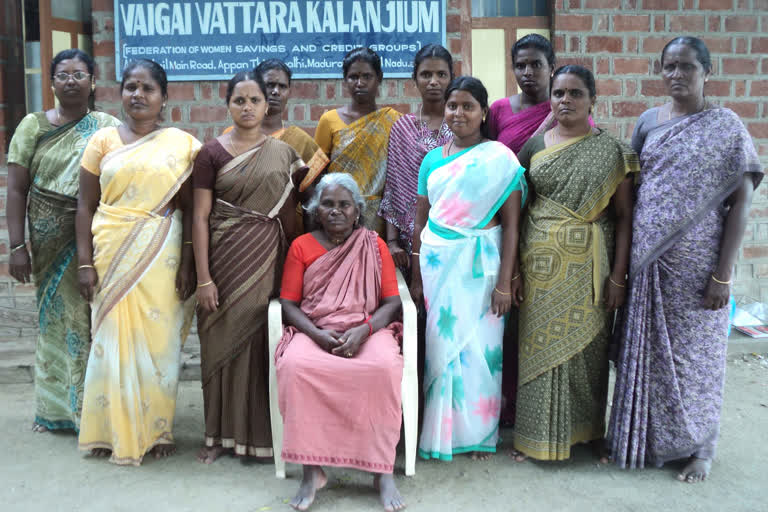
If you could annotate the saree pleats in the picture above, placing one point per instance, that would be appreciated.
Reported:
(566, 248)
(246, 248)
(138, 321)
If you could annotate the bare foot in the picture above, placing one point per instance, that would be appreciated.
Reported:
(600, 448)
(208, 454)
(695, 471)
(36, 427)
(388, 493)
(517, 455)
(101, 452)
(314, 480)
(163, 450)
(480, 455)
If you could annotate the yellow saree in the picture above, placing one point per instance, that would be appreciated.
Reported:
(138, 322)
(360, 149)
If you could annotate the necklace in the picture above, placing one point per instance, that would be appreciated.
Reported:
(58, 115)
(698, 109)
(555, 137)
(234, 149)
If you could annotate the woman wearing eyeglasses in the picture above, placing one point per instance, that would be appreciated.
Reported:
(43, 170)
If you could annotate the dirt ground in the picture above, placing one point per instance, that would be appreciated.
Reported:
(45, 472)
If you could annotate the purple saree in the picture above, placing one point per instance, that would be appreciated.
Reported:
(671, 365)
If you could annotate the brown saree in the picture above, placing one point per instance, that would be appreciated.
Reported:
(247, 242)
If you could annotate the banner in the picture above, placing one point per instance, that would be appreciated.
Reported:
(199, 40)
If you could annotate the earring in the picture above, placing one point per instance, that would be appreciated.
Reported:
(93, 86)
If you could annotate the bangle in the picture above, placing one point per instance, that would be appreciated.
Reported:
(187, 242)
(17, 247)
(517, 276)
(199, 285)
(501, 292)
(370, 327)
(719, 281)
(615, 283)
(84, 266)
(415, 254)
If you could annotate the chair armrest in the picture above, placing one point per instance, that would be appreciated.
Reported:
(409, 326)
(275, 325)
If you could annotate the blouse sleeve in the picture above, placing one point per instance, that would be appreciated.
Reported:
(95, 151)
(638, 135)
(293, 273)
(323, 133)
(493, 123)
(526, 152)
(388, 275)
(24, 141)
(424, 171)
(204, 172)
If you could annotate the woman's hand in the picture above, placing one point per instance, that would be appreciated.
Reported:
(416, 290)
(87, 279)
(614, 294)
(501, 301)
(326, 339)
(208, 297)
(716, 295)
(185, 279)
(351, 341)
(516, 289)
(19, 265)
(402, 259)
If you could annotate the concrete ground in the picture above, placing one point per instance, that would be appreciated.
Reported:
(45, 471)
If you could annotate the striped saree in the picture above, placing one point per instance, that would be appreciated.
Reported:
(246, 248)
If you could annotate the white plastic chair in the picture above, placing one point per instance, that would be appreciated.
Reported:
(409, 387)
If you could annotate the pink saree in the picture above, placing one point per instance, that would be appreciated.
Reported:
(338, 411)
(513, 129)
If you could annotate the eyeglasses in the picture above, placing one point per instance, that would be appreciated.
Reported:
(77, 75)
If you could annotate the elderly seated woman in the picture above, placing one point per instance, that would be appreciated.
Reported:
(338, 363)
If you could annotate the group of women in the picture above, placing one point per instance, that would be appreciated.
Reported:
(524, 205)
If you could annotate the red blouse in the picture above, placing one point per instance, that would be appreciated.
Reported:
(306, 249)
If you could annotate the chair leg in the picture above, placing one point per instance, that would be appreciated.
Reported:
(410, 398)
(275, 328)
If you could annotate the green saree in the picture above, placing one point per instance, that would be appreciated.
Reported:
(52, 155)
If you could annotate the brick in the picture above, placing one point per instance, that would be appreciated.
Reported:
(587, 62)
(209, 133)
(207, 114)
(631, 45)
(628, 66)
(574, 22)
(631, 23)
(653, 88)
(453, 23)
(687, 23)
(714, 23)
(104, 49)
(764, 66)
(718, 88)
(608, 44)
(739, 88)
(603, 23)
(108, 94)
(603, 66)
(206, 91)
(755, 252)
(305, 89)
(176, 114)
(103, 26)
(654, 44)
(737, 66)
(758, 130)
(455, 46)
(628, 108)
(574, 44)
(299, 112)
(659, 23)
(102, 6)
(181, 91)
(601, 110)
(631, 88)
(741, 45)
(608, 87)
(687, 4)
(758, 88)
(223, 90)
(760, 45)
(330, 91)
(315, 111)
(661, 5)
(410, 90)
(743, 108)
(716, 5)
(192, 131)
(741, 24)
(602, 4)
(718, 44)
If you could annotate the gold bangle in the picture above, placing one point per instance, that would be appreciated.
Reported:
(85, 266)
(415, 254)
(516, 277)
(20, 246)
(615, 283)
(501, 292)
(205, 284)
(719, 281)
(187, 242)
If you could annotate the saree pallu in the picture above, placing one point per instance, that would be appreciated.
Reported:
(246, 248)
(513, 129)
(566, 248)
(671, 366)
(338, 411)
(360, 149)
(64, 339)
(138, 321)
(409, 141)
(459, 267)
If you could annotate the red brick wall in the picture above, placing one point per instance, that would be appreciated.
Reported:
(198, 107)
(621, 41)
